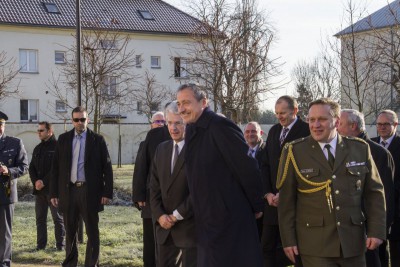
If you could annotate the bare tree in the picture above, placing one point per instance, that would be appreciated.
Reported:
(151, 94)
(8, 72)
(107, 75)
(230, 55)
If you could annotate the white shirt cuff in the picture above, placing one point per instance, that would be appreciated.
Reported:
(177, 215)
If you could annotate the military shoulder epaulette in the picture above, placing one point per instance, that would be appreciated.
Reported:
(296, 141)
(352, 138)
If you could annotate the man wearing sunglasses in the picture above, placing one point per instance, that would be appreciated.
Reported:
(83, 184)
(157, 120)
(13, 164)
(40, 174)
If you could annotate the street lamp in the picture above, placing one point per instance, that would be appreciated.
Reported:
(78, 50)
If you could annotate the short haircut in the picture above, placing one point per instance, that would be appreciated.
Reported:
(156, 114)
(256, 124)
(290, 100)
(172, 108)
(78, 109)
(47, 125)
(355, 116)
(390, 112)
(335, 107)
(198, 92)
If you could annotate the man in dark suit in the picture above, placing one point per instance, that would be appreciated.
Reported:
(82, 185)
(253, 136)
(169, 197)
(329, 187)
(224, 184)
(289, 128)
(140, 185)
(40, 174)
(13, 164)
(352, 124)
(386, 125)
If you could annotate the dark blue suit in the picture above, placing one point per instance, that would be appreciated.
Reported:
(225, 186)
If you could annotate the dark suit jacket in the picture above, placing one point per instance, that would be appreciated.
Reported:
(13, 155)
(98, 170)
(40, 166)
(273, 152)
(169, 192)
(304, 217)
(385, 165)
(394, 149)
(141, 172)
(226, 191)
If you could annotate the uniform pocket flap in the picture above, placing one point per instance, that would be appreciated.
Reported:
(358, 219)
(358, 170)
(314, 221)
(309, 173)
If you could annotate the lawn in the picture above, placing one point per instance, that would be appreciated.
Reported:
(120, 232)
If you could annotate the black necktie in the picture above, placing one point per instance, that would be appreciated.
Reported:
(331, 158)
(176, 154)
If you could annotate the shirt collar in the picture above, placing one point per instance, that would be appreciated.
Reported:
(291, 125)
(180, 144)
(388, 141)
(331, 143)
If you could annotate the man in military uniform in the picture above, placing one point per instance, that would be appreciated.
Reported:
(323, 180)
(13, 164)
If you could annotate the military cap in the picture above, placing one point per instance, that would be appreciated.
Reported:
(3, 117)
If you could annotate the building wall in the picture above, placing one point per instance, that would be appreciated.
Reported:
(47, 40)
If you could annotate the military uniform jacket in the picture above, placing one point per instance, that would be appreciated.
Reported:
(305, 220)
(40, 166)
(13, 155)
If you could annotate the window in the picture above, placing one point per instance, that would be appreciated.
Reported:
(138, 61)
(108, 44)
(61, 107)
(59, 57)
(180, 68)
(155, 62)
(145, 14)
(29, 109)
(139, 107)
(51, 8)
(154, 106)
(109, 87)
(28, 60)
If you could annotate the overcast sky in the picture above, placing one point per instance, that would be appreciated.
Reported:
(300, 25)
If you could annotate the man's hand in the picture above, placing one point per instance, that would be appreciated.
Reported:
(141, 204)
(291, 252)
(373, 243)
(165, 221)
(173, 218)
(4, 170)
(275, 200)
(39, 185)
(105, 200)
(272, 199)
(54, 202)
(258, 215)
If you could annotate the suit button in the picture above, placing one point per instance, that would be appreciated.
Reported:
(337, 192)
(338, 223)
(337, 208)
(333, 176)
(308, 224)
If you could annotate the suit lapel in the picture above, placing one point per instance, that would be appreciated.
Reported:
(89, 143)
(394, 145)
(341, 153)
(318, 154)
(2, 142)
(178, 166)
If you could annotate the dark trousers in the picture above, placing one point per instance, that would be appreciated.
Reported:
(169, 255)
(310, 261)
(259, 223)
(394, 252)
(42, 205)
(372, 258)
(6, 215)
(149, 246)
(272, 247)
(78, 207)
(383, 254)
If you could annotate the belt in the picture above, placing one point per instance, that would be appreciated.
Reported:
(78, 184)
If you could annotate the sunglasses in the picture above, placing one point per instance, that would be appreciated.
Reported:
(159, 121)
(40, 130)
(79, 119)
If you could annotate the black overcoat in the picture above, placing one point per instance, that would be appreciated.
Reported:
(226, 190)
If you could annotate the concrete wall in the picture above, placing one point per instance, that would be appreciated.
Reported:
(131, 136)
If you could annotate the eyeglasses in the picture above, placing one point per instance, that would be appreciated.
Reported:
(386, 124)
(177, 123)
(40, 130)
(79, 119)
(159, 121)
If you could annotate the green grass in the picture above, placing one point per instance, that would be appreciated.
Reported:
(120, 232)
